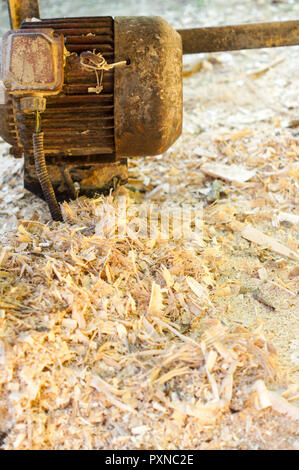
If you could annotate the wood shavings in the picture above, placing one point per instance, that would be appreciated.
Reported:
(293, 124)
(156, 301)
(261, 298)
(108, 391)
(173, 330)
(199, 290)
(263, 274)
(262, 71)
(280, 286)
(215, 192)
(232, 173)
(173, 373)
(205, 414)
(115, 340)
(196, 68)
(284, 216)
(223, 291)
(256, 236)
(167, 277)
(267, 398)
(294, 272)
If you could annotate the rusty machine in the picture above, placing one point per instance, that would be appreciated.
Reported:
(81, 95)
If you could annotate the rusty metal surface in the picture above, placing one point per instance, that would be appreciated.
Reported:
(19, 10)
(91, 179)
(148, 92)
(32, 104)
(78, 126)
(32, 61)
(7, 124)
(247, 36)
(138, 112)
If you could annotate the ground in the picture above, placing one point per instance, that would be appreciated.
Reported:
(117, 340)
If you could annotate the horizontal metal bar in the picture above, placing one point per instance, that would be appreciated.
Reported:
(246, 36)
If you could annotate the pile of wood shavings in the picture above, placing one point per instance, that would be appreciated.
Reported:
(125, 342)
(110, 342)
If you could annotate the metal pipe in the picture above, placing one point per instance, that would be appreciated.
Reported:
(19, 10)
(247, 36)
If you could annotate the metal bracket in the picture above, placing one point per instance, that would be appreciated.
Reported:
(19, 10)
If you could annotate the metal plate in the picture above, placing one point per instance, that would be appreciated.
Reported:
(32, 61)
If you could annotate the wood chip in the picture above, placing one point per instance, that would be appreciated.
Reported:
(232, 173)
(256, 236)
(156, 301)
(292, 218)
(267, 398)
(257, 294)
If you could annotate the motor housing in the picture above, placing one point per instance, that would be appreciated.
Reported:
(88, 134)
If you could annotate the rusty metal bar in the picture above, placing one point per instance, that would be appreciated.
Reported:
(19, 10)
(233, 38)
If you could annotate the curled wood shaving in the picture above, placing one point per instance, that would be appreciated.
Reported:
(267, 398)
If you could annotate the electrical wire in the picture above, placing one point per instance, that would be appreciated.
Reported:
(42, 172)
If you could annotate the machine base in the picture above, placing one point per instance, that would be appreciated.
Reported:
(71, 181)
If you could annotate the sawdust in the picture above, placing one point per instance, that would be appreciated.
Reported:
(122, 341)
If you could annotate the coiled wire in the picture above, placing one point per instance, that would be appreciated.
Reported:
(42, 172)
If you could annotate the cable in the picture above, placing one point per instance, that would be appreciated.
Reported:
(42, 172)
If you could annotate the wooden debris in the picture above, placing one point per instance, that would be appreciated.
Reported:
(294, 123)
(256, 236)
(267, 398)
(156, 301)
(110, 339)
(263, 274)
(232, 173)
(257, 294)
(294, 272)
(200, 291)
(215, 192)
(292, 218)
(262, 71)
(191, 71)
(167, 276)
